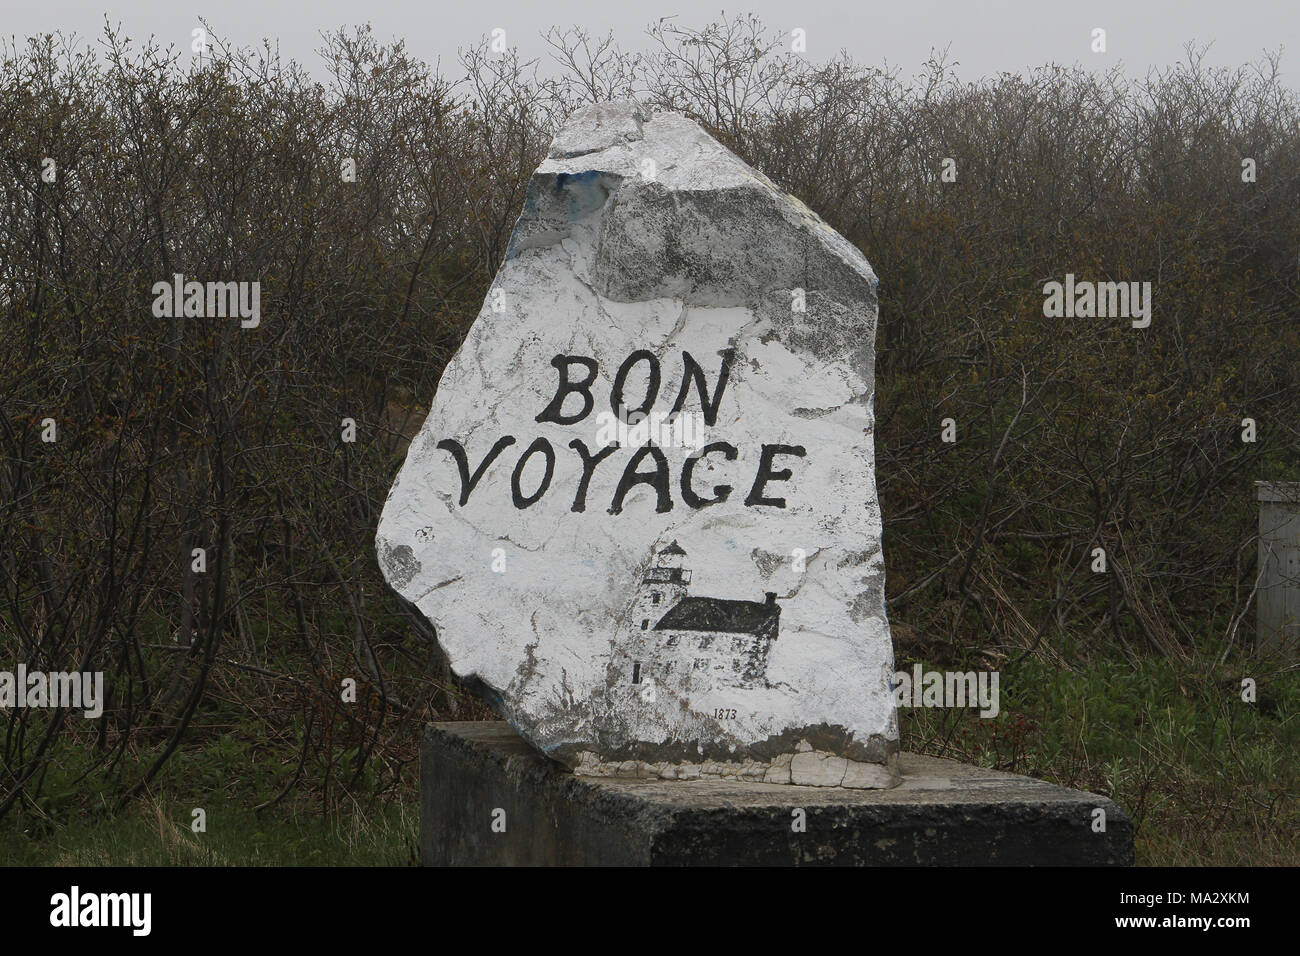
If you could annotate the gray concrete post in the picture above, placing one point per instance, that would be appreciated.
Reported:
(1277, 605)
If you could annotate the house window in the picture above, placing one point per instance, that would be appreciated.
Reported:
(654, 597)
(701, 663)
(636, 673)
(705, 642)
(673, 640)
(645, 623)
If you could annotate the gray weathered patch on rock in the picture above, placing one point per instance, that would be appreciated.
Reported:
(702, 597)
(399, 565)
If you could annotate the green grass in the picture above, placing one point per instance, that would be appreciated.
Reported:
(158, 832)
(1209, 779)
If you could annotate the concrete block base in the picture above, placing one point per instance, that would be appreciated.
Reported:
(489, 799)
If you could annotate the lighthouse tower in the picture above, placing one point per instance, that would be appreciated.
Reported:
(664, 584)
(662, 587)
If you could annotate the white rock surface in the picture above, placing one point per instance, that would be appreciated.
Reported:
(649, 630)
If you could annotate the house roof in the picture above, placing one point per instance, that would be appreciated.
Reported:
(673, 548)
(718, 614)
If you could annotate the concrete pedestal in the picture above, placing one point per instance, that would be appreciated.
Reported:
(489, 799)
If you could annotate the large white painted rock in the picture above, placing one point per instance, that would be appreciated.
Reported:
(710, 602)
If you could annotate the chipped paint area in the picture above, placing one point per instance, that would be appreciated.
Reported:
(803, 768)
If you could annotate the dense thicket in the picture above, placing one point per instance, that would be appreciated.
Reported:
(176, 434)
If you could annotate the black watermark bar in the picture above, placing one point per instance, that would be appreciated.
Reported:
(343, 906)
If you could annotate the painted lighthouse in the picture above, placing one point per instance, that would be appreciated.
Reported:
(679, 640)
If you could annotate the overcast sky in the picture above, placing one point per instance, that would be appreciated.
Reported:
(983, 36)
